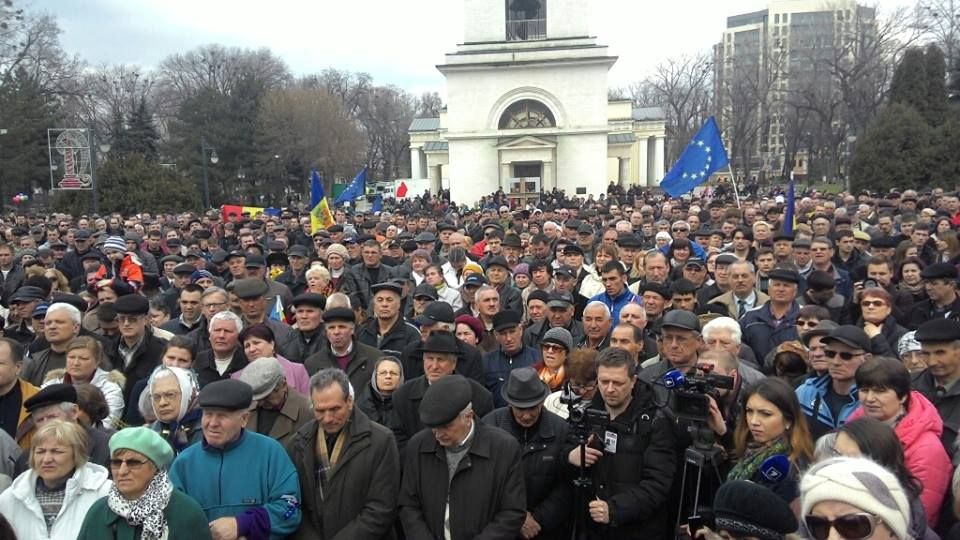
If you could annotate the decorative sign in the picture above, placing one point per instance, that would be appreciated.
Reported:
(69, 151)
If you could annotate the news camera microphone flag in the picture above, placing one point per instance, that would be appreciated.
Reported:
(703, 156)
(673, 379)
(775, 468)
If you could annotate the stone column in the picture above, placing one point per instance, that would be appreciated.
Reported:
(658, 159)
(643, 166)
(416, 172)
(436, 174)
(624, 174)
(548, 181)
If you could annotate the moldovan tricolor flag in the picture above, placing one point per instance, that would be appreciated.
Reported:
(320, 216)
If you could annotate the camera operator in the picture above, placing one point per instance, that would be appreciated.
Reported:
(631, 460)
(725, 404)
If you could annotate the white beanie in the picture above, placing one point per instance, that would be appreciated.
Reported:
(861, 483)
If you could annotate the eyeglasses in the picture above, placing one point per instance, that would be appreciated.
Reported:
(830, 353)
(680, 229)
(552, 347)
(132, 464)
(850, 526)
(873, 303)
(583, 388)
(215, 305)
(129, 319)
(167, 396)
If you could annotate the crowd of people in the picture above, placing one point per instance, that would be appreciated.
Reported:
(625, 366)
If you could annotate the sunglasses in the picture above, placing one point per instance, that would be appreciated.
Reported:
(873, 303)
(850, 526)
(552, 347)
(843, 355)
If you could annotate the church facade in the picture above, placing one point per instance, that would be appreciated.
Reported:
(528, 110)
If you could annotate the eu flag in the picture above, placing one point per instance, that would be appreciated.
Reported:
(356, 189)
(704, 155)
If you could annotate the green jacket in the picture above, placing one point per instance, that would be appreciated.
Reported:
(185, 521)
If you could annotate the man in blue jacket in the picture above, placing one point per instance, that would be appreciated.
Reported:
(829, 399)
(510, 355)
(615, 294)
(776, 321)
(244, 481)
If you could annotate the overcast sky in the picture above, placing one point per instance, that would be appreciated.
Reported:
(397, 41)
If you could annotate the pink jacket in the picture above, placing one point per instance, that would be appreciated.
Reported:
(919, 432)
(297, 376)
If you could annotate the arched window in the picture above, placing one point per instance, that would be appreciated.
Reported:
(527, 114)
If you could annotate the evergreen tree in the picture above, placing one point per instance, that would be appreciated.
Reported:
(909, 85)
(935, 108)
(896, 152)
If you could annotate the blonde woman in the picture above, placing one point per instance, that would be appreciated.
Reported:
(62, 478)
(84, 365)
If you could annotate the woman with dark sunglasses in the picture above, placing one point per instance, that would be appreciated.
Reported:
(853, 499)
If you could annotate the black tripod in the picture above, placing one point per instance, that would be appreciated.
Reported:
(583, 486)
(702, 455)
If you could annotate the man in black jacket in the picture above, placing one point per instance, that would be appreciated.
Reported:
(438, 316)
(439, 361)
(461, 479)
(542, 435)
(387, 330)
(633, 472)
(350, 490)
(137, 351)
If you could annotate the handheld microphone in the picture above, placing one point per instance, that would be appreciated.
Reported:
(775, 468)
(673, 379)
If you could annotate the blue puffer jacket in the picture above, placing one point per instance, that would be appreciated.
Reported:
(762, 333)
(616, 304)
(251, 476)
(812, 396)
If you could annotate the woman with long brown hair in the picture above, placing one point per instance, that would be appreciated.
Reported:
(772, 424)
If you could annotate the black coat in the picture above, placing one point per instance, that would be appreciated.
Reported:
(924, 311)
(378, 407)
(486, 494)
(359, 367)
(469, 361)
(360, 501)
(407, 398)
(394, 341)
(948, 406)
(636, 480)
(549, 492)
(146, 358)
(206, 366)
(9, 284)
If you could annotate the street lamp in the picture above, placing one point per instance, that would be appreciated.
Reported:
(214, 158)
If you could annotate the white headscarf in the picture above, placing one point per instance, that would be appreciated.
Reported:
(189, 388)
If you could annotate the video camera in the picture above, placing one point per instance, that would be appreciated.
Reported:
(583, 419)
(691, 391)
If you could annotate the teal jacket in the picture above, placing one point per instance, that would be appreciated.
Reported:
(251, 479)
(185, 521)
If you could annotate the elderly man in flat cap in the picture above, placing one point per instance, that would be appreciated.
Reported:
(387, 330)
(543, 435)
(440, 358)
(138, 351)
(461, 479)
(280, 410)
(348, 465)
(244, 481)
(252, 294)
(940, 347)
(342, 350)
(59, 402)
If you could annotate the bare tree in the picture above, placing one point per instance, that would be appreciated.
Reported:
(684, 88)
(940, 21)
(429, 105)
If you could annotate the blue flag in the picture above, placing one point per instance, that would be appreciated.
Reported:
(789, 220)
(703, 156)
(378, 204)
(320, 215)
(357, 188)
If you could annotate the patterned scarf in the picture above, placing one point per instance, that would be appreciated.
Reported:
(148, 509)
(756, 455)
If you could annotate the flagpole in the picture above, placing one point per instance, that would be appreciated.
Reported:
(733, 180)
